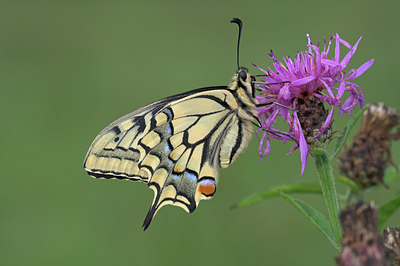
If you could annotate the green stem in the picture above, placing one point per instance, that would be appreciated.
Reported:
(327, 182)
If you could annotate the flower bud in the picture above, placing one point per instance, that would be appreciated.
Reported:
(366, 160)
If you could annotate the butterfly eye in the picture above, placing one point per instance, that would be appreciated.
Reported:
(243, 74)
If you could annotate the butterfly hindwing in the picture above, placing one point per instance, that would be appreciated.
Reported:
(174, 145)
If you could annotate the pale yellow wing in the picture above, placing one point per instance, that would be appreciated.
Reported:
(174, 145)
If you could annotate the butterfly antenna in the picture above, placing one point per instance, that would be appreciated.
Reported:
(240, 24)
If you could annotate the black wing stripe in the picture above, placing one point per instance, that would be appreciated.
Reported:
(238, 141)
(111, 175)
(201, 115)
(223, 103)
(212, 147)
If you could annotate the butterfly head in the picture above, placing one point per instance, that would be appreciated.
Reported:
(242, 79)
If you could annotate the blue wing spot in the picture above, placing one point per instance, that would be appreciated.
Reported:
(169, 129)
(167, 149)
(168, 112)
(175, 176)
(191, 176)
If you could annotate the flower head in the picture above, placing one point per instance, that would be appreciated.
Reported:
(391, 236)
(362, 244)
(305, 84)
(366, 160)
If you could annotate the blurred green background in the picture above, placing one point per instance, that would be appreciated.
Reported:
(69, 68)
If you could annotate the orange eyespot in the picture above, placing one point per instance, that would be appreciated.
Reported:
(206, 187)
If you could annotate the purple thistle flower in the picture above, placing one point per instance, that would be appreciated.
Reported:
(307, 82)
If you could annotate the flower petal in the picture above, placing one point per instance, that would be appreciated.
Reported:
(302, 144)
(337, 49)
(267, 149)
(349, 55)
(359, 71)
(328, 88)
(340, 90)
(343, 42)
(259, 68)
(329, 62)
(302, 81)
(271, 119)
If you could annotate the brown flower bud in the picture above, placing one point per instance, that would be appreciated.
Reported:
(392, 241)
(365, 162)
(361, 242)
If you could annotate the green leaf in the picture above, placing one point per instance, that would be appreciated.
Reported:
(315, 217)
(274, 192)
(342, 139)
(391, 174)
(387, 209)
